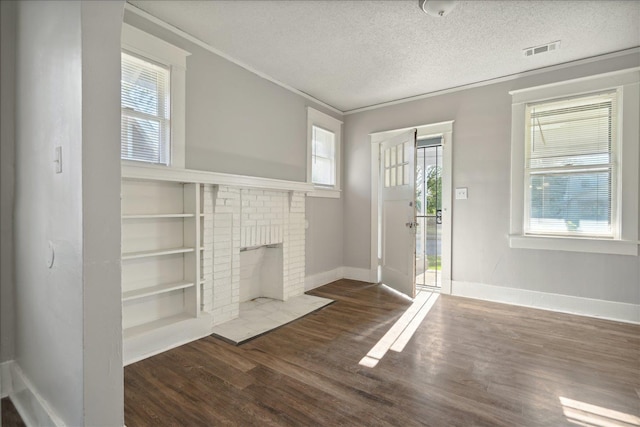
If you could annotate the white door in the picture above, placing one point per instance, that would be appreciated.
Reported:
(398, 212)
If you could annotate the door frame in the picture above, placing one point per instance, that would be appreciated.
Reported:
(444, 129)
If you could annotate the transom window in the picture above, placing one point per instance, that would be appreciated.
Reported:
(570, 166)
(146, 123)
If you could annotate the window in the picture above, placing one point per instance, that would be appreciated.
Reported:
(323, 168)
(152, 99)
(574, 183)
(570, 166)
(146, 124)
(323, 157)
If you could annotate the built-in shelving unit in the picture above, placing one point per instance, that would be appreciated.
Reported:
(180, 215)
(154, 290)
(154, 253)
(155, 325)
(161, 256)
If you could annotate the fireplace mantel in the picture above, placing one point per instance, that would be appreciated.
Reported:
(163, 173)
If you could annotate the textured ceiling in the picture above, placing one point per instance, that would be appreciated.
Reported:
(352, 54)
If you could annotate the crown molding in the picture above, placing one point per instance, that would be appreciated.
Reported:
(498, 80)
(135, 10)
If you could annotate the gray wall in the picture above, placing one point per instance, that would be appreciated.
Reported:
(7, 173)
(481, 162)
(240, 123)
(323, 249)
(68, 333)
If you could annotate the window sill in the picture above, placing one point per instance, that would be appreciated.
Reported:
(143, 163)
(573, 244)
(329, 193)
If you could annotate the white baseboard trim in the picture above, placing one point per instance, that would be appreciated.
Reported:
(31, 405)
(159, 340)
(621, 312)
(361, 274)
(320, 279)
(6, 383)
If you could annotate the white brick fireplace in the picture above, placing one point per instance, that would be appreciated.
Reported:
(183, 233)
(239, 218)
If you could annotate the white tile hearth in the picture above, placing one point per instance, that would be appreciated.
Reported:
(264, 314)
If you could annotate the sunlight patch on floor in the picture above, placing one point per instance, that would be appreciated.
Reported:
(588, 415)
(401, 332)
(412, 327)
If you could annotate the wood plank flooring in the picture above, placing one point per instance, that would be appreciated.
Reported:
(470, 363)
(10, 415)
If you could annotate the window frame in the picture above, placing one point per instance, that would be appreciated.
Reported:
(164, 122)
(155, 50)
(333, 125)
(626, 152)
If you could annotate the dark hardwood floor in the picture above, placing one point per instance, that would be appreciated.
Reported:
(10, 415)
(470, 363)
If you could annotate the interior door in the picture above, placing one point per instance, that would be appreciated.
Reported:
(398, 212)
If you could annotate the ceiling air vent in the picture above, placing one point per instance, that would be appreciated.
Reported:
(544, 48)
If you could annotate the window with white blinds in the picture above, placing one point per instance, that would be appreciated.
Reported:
(146, 124)
(323, 160)
(570, 166)
(323, 154)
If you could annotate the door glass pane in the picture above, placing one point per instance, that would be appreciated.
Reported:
(433, 251)
(420, 183)
(387, 179)
(428, 205)
(420, 257)
(393, 156)
(387, 158)
(399, 149)
(406, 174)
(406, 147)
(393, 176)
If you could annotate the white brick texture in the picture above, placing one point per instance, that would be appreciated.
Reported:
(235, 218)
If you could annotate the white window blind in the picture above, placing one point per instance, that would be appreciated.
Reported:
(570, 166)
(146, 125)
(323, 160)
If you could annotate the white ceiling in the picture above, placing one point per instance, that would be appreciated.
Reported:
(352, 54)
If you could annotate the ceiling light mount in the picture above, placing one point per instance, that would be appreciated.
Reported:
(437, 8)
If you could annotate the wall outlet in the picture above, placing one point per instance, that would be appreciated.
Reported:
(461, 193)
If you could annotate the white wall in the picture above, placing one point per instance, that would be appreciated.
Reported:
(68, 317)
(7, 172)
(49, 206)
(102, 335)
(240, 123)
(481, 162)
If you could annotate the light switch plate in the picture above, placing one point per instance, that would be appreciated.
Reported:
(461, 193)
(58, 159)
